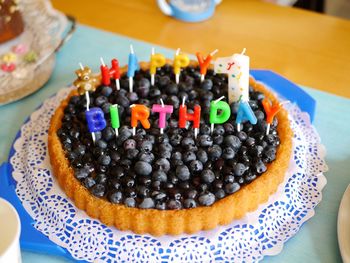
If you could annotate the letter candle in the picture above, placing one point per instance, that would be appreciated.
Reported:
(139, 113)
(271, 112)
(237, 68)
(157, 61)
(245, 112)
(204, 62)
(95, 120)
(163, 110)
(184, 116)
(180, 61)
(113, 109)
(133, 65)
(214, 117)
(107, 73)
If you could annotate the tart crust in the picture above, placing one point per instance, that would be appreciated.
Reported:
(172, 222)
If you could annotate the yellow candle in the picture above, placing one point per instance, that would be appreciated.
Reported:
(180, 61)
(157, 61)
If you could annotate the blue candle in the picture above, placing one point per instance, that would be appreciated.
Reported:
(133, 65)
(96, 121)
(245, 112)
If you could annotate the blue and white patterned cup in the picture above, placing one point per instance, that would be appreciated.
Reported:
(189, 10)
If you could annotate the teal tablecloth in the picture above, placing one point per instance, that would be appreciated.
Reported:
(317, 239)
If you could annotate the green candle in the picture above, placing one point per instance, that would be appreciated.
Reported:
(114, 117)
(223, 116)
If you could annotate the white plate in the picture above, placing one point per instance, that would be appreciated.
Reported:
(344, 226)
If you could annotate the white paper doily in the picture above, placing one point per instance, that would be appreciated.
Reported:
(260, 233)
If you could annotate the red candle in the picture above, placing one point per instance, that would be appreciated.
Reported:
(106, 79)
(115, 69)
(184, 116)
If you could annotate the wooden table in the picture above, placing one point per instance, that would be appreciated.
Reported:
(308, 48)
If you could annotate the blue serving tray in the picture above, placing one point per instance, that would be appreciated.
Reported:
(33, 240)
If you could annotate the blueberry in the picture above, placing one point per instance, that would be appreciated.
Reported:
(162, 164)
(129, 144)
(146, 146)
(228, 153)
(106, 91)
(81, 173)
(202, 156)
(115, 197)
(204, 129)
(80, 149)
(165, 147)
(143, 88)
(229, 128)
(104, 160)
(260, 167)
(132, 96)
(187, 142)
(160, 206)
(269, 154)
(218, 139)
(175, 139)
(172, 89)
(154, 92)
(232, 188)
(188, 156)
(196, 166)
(207, 84)
(190, 203)
(250, 142)
(108, 134)
(207, 176)
(206, 199)
(214, 152)
(219, 194)
(218, 184)
(229, 179)
(146, 157)
(176, 156)
(132, 153)
(130, 202)
(101, 178)
(192, 194)
(174, 100)
(182, 172)
(142, 191)
(143, 168)
(98, 190)
(99, 101)
(174, 204)
(205, 140)
(115, 156)
(89, 182)
(249, 178)
(164, 80)
(219, 130)
(239, 169)
(233, 142)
